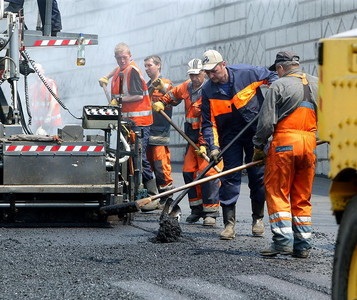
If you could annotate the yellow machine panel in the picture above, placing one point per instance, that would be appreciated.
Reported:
(337, 115)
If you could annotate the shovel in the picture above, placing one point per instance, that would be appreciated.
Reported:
(134, 206)
(184, 135)
(170, 205)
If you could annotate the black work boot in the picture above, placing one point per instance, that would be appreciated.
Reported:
(229, 220)
(163, 199)
(196, 214)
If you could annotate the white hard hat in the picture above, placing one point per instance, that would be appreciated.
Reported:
(195, 66)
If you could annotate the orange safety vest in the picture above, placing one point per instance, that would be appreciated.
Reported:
(140, 112)
(303, 118)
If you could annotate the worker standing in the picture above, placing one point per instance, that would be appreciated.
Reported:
(203, 199)
(46, 111)
(289, 115)
(158, 152)
(136, 104)
(231, 99)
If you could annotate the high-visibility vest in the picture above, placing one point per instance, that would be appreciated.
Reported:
(140, 112)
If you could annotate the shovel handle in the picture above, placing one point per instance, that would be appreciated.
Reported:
(203, 180)
(184, 135)
(106, 93)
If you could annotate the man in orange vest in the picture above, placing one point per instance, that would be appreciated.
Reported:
(203, 199)
(158, 152)
(136, 105)
(288, 114)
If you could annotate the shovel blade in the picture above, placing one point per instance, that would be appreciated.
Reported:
(173, 212)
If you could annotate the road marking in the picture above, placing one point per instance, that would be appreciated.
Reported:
(148, 290)
(283, 288)
(207, 289)
(320, 279)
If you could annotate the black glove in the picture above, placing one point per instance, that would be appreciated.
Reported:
(259, 154)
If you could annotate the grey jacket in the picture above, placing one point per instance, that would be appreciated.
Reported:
(282, 98)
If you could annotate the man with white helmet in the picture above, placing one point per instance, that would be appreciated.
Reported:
(203, 199)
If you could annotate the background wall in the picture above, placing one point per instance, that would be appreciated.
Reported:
(249, 31)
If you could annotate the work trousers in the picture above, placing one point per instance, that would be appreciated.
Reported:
(242, 150)
(160, 160)
(291, 163)
(56, 21)
(204, 198)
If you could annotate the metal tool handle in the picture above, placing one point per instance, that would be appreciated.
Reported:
(185, 136)
(212, 163)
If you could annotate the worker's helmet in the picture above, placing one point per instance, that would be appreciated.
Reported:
(195, 66)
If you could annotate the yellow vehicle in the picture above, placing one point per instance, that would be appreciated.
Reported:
(337, 123)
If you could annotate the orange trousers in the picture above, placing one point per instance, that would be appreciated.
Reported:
(289, 175)
(160, 161)
(204, 198)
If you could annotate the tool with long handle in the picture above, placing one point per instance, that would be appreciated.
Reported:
(184, 135)
(134, 206)
(106, 93)
(117, 154)
(172, 205)
(169, 206)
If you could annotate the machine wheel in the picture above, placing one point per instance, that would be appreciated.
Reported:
(344, 277)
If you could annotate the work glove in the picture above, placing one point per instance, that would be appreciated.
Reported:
(214, 156)
(114, 102)
(103, 81)
(158, 84)
(158, 106)
(259, 154)
(201, 151)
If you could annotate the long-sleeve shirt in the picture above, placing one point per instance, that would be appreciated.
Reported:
(192, 100)
(281, 99)
(227, 108)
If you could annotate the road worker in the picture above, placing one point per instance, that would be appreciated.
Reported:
(158, 152)
(289, 116)
(136, 104)
(203, 199)
(231, 99)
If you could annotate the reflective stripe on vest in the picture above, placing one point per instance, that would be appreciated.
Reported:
(139, 111)
(192, 120)
(133, 114)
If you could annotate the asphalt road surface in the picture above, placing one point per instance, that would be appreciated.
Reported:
(123, 262)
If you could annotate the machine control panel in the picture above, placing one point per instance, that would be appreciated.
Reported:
(99, 117)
